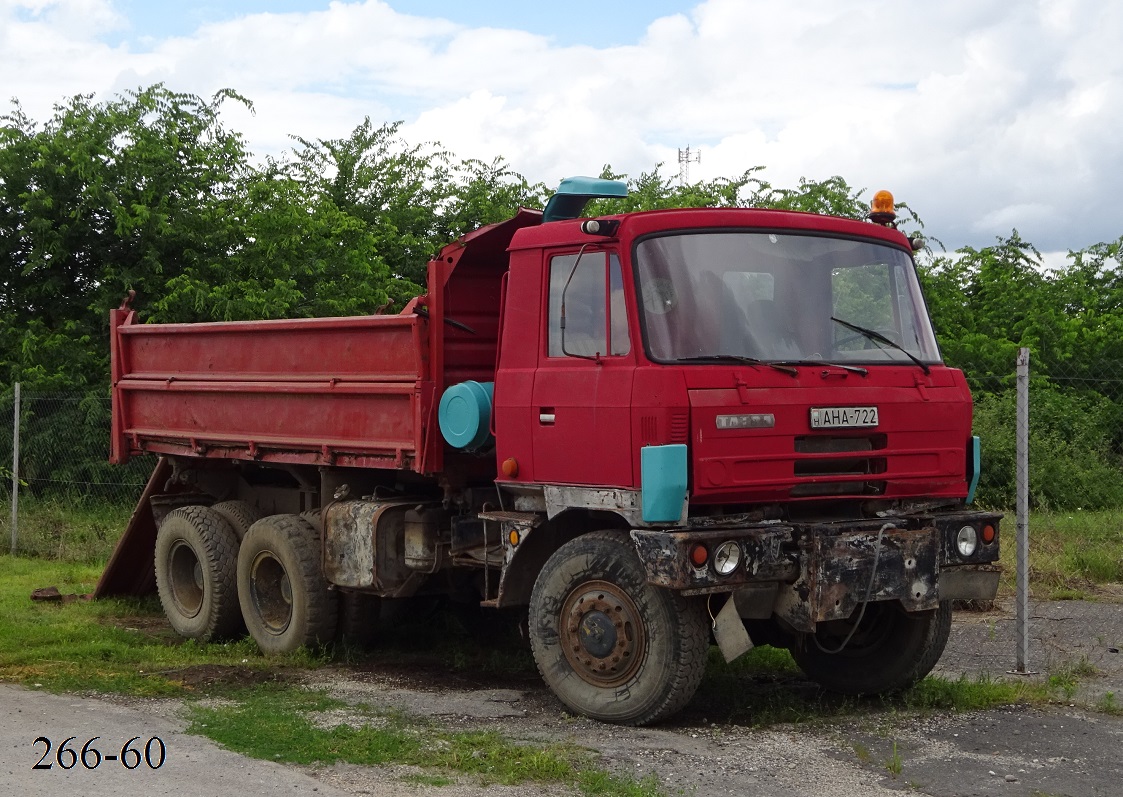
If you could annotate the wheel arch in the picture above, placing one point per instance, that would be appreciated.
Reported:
(530, 556)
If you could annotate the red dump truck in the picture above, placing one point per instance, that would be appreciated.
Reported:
(653, 430)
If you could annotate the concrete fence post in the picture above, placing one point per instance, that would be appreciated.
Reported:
(1022, 512)
(15, 468)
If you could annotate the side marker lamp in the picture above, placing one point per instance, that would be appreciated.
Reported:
(605, 228)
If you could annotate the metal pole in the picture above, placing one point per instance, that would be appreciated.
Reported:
(15, 468)
(1022, 511)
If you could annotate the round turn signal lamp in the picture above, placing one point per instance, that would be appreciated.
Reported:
(699, 555)
(988, 534)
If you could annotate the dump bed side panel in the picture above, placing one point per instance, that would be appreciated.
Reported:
(326, 391)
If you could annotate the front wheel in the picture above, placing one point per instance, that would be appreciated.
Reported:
(890, 650)
(284, 596)
(610, 645)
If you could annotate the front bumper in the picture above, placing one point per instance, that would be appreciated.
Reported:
(822, 571)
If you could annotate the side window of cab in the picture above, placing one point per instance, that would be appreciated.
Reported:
(587, 311)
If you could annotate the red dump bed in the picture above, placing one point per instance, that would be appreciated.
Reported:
(324, 391)
(353, 392)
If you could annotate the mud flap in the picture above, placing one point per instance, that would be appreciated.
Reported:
(729, 631)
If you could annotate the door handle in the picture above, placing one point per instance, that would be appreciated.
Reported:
(546, 416)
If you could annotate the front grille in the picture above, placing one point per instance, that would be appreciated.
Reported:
(817, 463)
(824, 489)
(827, 444)
(850, 466)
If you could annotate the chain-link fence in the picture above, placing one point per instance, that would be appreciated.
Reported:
(72, 504)
(66, 500)
(1053, 460)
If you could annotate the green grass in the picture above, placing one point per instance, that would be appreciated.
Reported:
(765, 687)
(1073, 555)
(120, 646)
(1066, 679)
(65, 529)
(276, 723)
(1108, 704)
(893, 764)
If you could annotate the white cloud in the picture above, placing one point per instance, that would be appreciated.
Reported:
(983, 115)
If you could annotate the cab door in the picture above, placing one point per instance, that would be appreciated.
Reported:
(583, 385)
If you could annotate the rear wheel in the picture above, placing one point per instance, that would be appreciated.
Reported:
(608, 644)
(890, 650)
(239, 514)
(196, 574)
(284, 596)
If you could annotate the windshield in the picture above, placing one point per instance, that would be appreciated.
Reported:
(780, 297)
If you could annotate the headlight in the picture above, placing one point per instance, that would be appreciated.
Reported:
(727, 557)
(967, 541)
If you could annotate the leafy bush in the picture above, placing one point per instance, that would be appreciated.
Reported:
(1073, 464)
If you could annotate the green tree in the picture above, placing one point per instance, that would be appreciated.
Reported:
(292, 254)
(101, 199)
(412, 198)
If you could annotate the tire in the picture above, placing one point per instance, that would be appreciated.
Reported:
(358, 619)
(642, 665)
(239, 514)
(316, 518)
(196, 574)
(285, 599)
(890, 651)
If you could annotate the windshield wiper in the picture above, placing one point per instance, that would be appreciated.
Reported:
(877, 337)
(856, 369)
(738, 358)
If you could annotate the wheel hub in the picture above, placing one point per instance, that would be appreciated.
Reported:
(271, 592)
(602, 633)
(185, 579)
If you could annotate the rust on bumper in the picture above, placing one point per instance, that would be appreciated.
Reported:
(824, 571)
(767, 554)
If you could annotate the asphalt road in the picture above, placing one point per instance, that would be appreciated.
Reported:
(192, 767)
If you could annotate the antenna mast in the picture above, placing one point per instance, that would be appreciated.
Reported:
(685, 156)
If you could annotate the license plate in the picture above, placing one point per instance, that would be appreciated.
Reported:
(843, 417)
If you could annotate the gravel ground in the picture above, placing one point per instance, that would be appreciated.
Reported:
(1065, 636)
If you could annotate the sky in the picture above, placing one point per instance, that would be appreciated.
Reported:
(984, 115)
